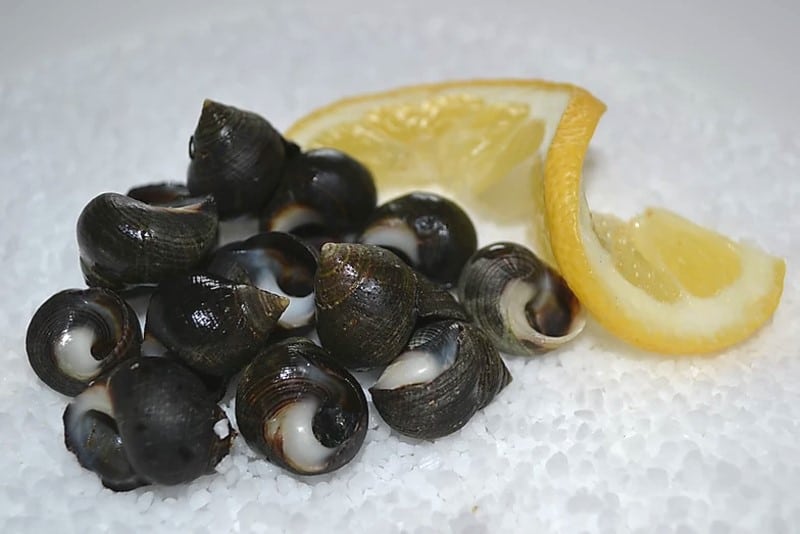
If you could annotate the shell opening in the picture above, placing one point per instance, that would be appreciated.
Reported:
(537, 315)
(75, 354)
(95, 398)
(270, 275)
(292, 427)
(294, 216)
(418, 366)
(395, 235)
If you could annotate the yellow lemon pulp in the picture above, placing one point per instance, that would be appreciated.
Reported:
(513, 150)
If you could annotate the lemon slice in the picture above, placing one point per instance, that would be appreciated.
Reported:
(481, 142)
(657, 281)
(512, 151)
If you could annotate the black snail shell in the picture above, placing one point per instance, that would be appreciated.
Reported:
(150, 421)
(78, 334)
(213, 324)
(276, 262)
(435, 303)
(524, 306)
(126, 242)
(366, 304)
(322, 188)
(237, 156)
(449, 371)
(431, 232)
(299, 410)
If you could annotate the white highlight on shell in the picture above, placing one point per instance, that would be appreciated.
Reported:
(73, 352)
(417, 367)
(301, 448)
(395, 234)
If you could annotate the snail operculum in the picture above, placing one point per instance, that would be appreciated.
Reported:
(523, 304)
(149, 421)
(449, 371)
(299, 410)
(78, 334)
(214, 325)
(126, 242)
(276, 262)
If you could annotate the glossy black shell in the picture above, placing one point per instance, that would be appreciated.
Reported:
(150, 421)
(296, 370)
(214, 325)
(325, 188)
(444, 236)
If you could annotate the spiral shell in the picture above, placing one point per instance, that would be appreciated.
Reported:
(237, 156)
(434, 302)
(125, 242)
(214, 325)
(522, 304)
(150, 421)
(322, 188)
(78, 334)
(300, 411)
(449, 371)
(431, 232)
(366, 304)
(276, 262)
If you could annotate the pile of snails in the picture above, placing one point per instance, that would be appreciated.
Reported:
(401, 287)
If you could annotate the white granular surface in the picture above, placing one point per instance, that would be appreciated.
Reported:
(594, 437)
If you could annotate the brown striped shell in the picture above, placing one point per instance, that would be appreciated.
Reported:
(366, 304)
(448, 371)
(126, 242)
(522, 304)
(237, 156)
(300, 410)
(78, 334)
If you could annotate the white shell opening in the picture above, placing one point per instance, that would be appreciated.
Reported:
(292, 217)
(513, 301)
(73, 352)
(417, 367)
(396, 234)
(301, 448)
(300, 309)
(94, 398)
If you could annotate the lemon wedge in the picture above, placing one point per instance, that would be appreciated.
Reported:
(513, 151)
